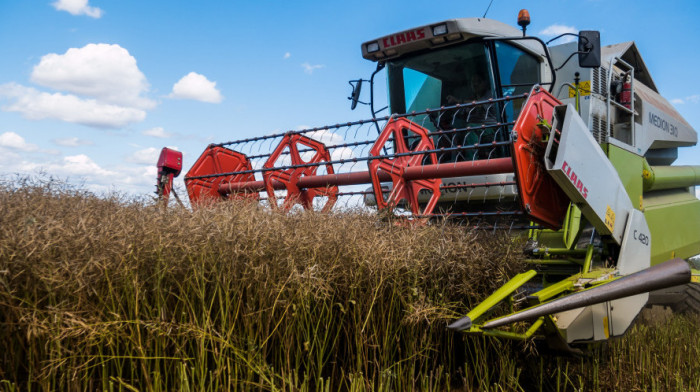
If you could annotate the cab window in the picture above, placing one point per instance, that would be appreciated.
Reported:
(440, 78)
(518, 71)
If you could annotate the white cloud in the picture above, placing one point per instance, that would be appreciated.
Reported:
(695, 98)
(329, 138)
(72, 142)
(309, 68)
(147, 156)
(77, 7)
(287, 55)
(37, 105)
(98, 85)
(558, 29)
(325, 136)
(158, 132)
(73, 165)
(125, 178)
(82, 165)
(101, 71)
(197, 87)
(14, 141)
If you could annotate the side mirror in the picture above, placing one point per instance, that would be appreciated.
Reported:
(355, 96)
(589, 49)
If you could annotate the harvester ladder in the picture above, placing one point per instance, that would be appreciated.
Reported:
(626, 68)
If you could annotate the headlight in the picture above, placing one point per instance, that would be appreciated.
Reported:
(439, 30)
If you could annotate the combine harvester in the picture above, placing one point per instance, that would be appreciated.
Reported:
(571, 145)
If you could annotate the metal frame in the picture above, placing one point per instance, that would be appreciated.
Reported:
(609, 101)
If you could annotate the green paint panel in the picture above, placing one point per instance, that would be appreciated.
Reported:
(673, 217)
(671, 177)
(629, 167)
(501, 294)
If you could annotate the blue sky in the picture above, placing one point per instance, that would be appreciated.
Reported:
(91, 90)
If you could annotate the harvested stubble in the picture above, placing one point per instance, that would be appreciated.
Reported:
(107, 294)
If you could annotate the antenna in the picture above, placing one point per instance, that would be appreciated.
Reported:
(487, 9)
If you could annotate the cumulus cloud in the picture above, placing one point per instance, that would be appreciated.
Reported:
(309, 68)
(695, 98)
(74, 165)
(147, 156)
(37, 105)
(325, 136)
(13, 141)
(101, 71)
(82, 165)
(329, 138)
(558, 29)
(77, 7)
(287, 55)
(197, 87)
(158, 132)
(125, 178)
(72, 142)
(98, 85)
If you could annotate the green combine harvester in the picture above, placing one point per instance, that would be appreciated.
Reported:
(571, 144)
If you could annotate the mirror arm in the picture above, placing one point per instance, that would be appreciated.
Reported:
(380, 66)
(571, 34)
(569, 58)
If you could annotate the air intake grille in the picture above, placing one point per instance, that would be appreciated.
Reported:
(600, 77)
(599, 129)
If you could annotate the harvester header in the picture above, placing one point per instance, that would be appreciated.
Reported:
(570, 145)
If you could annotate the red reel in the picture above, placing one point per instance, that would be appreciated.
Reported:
(215, 160)
(290, 176)
(541, 198)
(408, 137)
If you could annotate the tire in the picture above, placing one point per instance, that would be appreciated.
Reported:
(681, 299)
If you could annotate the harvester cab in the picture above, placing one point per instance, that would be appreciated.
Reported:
(571, 144)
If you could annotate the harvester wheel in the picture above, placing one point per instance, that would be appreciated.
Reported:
(681, 299)
(689, 300)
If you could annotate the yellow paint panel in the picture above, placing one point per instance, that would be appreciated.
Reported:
(610, 219)
(695, 279)
(584, 88)
(606, 329)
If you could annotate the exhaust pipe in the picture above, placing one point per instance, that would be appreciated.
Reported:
(670, 273)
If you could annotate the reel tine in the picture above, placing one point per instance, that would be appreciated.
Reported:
(455, 140)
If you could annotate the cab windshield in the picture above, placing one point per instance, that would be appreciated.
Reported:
(448, 76)
(461, 74)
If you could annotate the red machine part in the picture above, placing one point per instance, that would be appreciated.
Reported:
(626, 95)
(402, 130)
(540, 195)
(169, 167)
(290, 176)
(213, 161)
